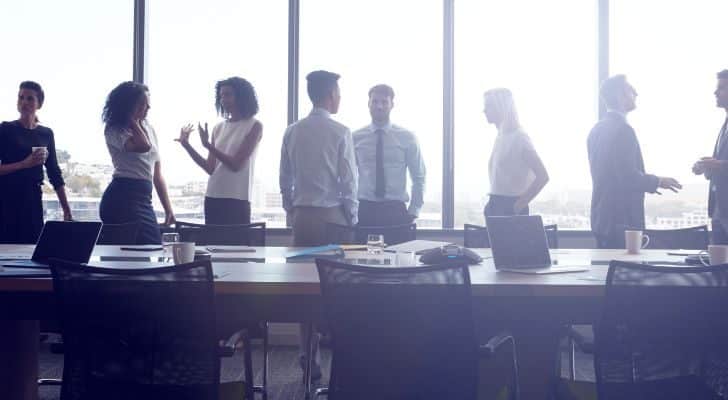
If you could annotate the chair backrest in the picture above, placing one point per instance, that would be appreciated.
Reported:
(661, 322)
(399, 333)
(233, 235)
(693, 238)
(476, 236)
(118, 234)
(343, 234)
(137, 333)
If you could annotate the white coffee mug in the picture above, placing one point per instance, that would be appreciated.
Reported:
(718, 254)
(183, 252)
(42, 149)
(635, 240)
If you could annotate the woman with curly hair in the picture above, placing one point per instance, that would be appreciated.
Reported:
(132, 144)
(231, 152)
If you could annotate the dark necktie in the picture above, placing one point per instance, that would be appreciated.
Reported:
(379, 188)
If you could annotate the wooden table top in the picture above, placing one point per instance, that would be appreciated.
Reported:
(267, 271)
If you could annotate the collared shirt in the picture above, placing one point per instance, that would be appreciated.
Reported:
(318, 167)
(509, 174)
(401, 152)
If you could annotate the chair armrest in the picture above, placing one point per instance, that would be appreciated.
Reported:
(494, 343)
(584, 342)
(225, 350)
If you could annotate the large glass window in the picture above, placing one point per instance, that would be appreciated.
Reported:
(191, 46)
(382, 41)
(77, 50)
(672, 63)
(545, 52)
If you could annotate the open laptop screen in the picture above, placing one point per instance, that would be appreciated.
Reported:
(70, 241)
(518, 242)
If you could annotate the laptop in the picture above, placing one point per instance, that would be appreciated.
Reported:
(70, 241)
(519, 244)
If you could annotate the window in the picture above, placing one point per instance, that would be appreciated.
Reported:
(191, 46)
(394, 42)
(547, 57)
(672, 64)
(77, 59)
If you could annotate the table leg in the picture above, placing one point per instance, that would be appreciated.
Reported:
(536, 349)
(19, 359)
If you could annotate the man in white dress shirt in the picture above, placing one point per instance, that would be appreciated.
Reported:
(385, 152)
(318, 176)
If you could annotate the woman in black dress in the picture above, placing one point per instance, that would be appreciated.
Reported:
(25, 147)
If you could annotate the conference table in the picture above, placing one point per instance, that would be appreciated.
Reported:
(263, 283)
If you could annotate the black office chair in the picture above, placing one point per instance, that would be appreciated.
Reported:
(118, 234)
(234, 235)
(344, 234)
(662, 334)
(693, 238)
(138, 333)
(403, 333)
(476, 236)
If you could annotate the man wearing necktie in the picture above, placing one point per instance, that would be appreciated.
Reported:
(385, 153)
(715, 169)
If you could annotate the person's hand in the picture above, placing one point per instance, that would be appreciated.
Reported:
(169, 219)
(669, 183)
(204, 135)
(184, 134)
(519, 205)
(33, 159)
(709, 164)
(698, 168)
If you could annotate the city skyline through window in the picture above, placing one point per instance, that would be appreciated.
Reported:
(547, 57)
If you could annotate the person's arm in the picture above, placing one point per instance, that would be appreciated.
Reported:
(534, 163)
(348, 178)
(417, 172)
(161, 186)
(627, 165)
(138, 142)
(242, 155)
(55, 176)
(61, 193)
(285, 175)
(35, 158)
(208, 165)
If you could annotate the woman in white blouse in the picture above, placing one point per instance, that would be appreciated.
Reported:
(516, 172)
(230, 160)
(132, 144)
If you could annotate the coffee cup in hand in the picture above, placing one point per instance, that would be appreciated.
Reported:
(41, 149)
(635, 241)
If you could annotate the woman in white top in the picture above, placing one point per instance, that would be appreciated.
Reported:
(231, 154)
(516, 172)
(132, 144)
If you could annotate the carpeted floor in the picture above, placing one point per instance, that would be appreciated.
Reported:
(284, 377)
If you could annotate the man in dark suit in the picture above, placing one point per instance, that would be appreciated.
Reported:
(619, 181)
(715, 169)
